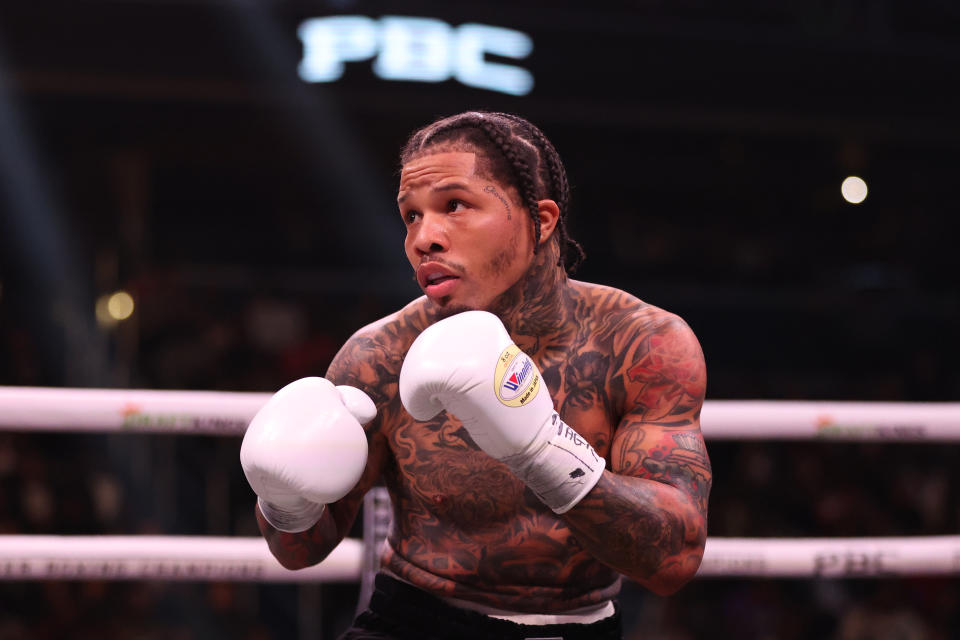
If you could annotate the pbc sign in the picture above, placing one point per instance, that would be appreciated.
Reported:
(416, 49)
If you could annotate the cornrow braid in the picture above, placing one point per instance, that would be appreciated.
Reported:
(560, 187)
(528, 182)
(515, 152)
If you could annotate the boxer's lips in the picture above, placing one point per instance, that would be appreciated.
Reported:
(442, 288)
(436, 280)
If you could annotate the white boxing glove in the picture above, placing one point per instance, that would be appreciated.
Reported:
(304, 449)
(469, 366)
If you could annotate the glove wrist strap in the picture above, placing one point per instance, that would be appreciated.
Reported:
(291, 519)
(562, 469)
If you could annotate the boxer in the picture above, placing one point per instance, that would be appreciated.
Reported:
(539, 436)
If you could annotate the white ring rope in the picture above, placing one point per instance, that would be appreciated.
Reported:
(229, 413)
(831, 557)
(131, 410)
(807, 420)
(29, 557)
(248, 559)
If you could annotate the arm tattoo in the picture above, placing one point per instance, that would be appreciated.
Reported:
(667, 372)
(647, 518)
(644, 540)
(675, 458)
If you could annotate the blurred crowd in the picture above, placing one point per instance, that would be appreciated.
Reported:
(254, 224)
(62, 483)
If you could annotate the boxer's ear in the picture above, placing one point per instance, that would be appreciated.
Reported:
(549, 214)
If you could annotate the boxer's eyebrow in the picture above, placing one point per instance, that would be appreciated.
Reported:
(451, 187)
(445, 187)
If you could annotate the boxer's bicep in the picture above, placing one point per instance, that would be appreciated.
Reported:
(675, 456)
(656, 492)
(658, 438)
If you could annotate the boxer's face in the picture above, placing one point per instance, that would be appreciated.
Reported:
(468, 237)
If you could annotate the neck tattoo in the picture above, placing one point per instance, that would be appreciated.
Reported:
(536, 305)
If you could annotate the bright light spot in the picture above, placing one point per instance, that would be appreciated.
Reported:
(113, 308)
(120, 305)
(854, 190)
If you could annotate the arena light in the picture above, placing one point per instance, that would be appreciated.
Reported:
(854, 189)
(113, 308)
(120, 305)
(415, 50)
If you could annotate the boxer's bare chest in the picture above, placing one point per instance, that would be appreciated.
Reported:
(464, 525)
(444, 480)
(459, 510)
(444, 477)
(577, 366)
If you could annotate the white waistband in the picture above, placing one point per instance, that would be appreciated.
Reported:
(583, 615)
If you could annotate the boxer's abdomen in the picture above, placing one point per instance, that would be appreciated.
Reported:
(471, 530)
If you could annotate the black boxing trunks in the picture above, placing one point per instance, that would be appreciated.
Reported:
(399, 611)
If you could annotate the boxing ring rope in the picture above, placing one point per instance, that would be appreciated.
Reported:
(177, 558)
(185, 558)
(229, 413)
(31, 557)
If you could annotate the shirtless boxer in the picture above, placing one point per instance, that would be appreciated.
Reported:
(530, 479)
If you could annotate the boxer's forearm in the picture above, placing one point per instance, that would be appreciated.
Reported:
(649, 531)
(305, 549)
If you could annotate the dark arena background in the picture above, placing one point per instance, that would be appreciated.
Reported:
(235, 174)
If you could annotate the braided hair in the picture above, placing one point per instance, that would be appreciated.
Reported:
(512, 151)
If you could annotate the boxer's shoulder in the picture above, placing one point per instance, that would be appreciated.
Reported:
(394, 332)
(399, 329)
(609, 314)
(372, 357)
(600, 299)
(623, 342)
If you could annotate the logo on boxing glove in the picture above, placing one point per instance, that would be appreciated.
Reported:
(516, 381)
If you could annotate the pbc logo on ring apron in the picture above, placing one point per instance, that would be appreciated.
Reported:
(517, 381)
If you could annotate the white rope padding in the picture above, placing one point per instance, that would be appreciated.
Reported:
(175, 558)
(132, 410)
(229, 413)
(831, 557)
(805, 420)
(248, 559)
